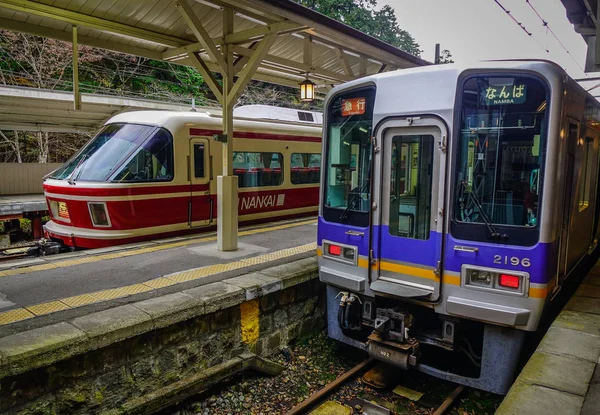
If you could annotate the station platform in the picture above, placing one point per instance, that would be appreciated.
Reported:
(37, 291)
(563, 374)
(16, 206)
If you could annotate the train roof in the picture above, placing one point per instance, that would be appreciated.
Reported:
(433, 88)
(172, 120)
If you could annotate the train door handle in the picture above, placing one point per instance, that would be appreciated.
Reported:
(355, 233)
(466, 248)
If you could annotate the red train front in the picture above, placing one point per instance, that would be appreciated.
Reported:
(149, 174)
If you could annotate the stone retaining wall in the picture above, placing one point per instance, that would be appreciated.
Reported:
(103, 361)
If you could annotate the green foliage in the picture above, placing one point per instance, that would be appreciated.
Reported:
(363, 15)
(446, 57)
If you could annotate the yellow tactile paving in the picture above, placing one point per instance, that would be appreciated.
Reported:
(138, 251)
(47, 308)
(79, 300)
(159, 283)
(121, 292)
(12, 316)
(17, 314)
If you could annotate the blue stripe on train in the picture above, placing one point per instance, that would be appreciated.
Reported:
(542, 257)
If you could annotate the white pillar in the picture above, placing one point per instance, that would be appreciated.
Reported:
(227, 185)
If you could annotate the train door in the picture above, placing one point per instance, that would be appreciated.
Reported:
(201, 203)
(569, 193)
(409, 243)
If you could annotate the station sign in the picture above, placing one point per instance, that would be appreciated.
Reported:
(505, 94)
(353, 106)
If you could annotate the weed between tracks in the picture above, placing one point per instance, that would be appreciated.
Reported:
(315, 361)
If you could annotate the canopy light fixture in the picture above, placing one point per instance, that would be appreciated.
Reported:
(307, 90)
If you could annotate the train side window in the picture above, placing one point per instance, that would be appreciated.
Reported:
(255, 169)
(151, 162)
(198, 160)
(585, 182)
(410, 186)
(305, 168)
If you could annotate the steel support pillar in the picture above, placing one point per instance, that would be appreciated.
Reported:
(76, 93)
(227, 185)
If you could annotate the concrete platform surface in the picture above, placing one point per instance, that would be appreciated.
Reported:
(15, 205)
(563, 374)
(94, 280)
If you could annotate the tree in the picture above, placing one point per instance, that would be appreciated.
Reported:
(445, 57)
(363, 15)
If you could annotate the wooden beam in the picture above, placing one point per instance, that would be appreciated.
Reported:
(344, 61)
(307, 55)
(300, 66)
(244, 36)
(246, 74)
(362, 69)
(209, 78)
(243, 60)
(84, 20)
(200, 32)
(41, 31)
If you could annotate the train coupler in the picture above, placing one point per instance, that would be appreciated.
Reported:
(403, 355)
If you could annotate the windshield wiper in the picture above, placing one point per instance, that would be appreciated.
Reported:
(493, 233)
(71, 179)
(354, 199)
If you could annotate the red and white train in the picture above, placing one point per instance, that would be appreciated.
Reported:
(152, 174)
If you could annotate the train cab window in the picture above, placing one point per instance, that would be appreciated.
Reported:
(105, 152)
(410, 186)
(348, 157)
(255, 169)
(152, 162)
(198, 160)
(305, 168)
(500, 150)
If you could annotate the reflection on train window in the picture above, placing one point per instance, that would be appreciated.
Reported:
(585, 178)
(152, 162)
(255, 169)
(500, 151)
(198, 160)
(410, 187)
(305, 168)
(105, 152)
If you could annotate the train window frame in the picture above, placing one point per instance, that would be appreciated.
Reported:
(585, 184)
(308, 166)
(341, 214)
(203, 145)
(423, 142)
(517, 235)
(136, 151)
(242, 185)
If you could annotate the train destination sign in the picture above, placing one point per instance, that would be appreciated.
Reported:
(505, 94)
(353, 106)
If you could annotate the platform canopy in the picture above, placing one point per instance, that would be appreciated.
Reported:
(31, 109)
(583, 14)
(274, 41)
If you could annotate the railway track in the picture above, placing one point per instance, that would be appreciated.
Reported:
(367, 407)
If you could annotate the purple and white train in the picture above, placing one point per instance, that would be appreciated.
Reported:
(454, 203)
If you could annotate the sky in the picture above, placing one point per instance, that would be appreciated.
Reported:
(476, 30)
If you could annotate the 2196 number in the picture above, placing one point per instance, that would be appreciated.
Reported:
(513, 260)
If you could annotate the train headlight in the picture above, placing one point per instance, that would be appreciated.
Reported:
(495, 280)
(340, 252)
(53, 208)
(59, 210)
(99, 214)
(479, 277)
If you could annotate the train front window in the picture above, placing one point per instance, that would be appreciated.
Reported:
(347, 184)
(105, 152)
(500, 149)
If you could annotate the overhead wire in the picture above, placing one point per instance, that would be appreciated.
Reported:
(549, 29)
(521, 25)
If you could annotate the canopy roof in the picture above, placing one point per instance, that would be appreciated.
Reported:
(300, 41)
